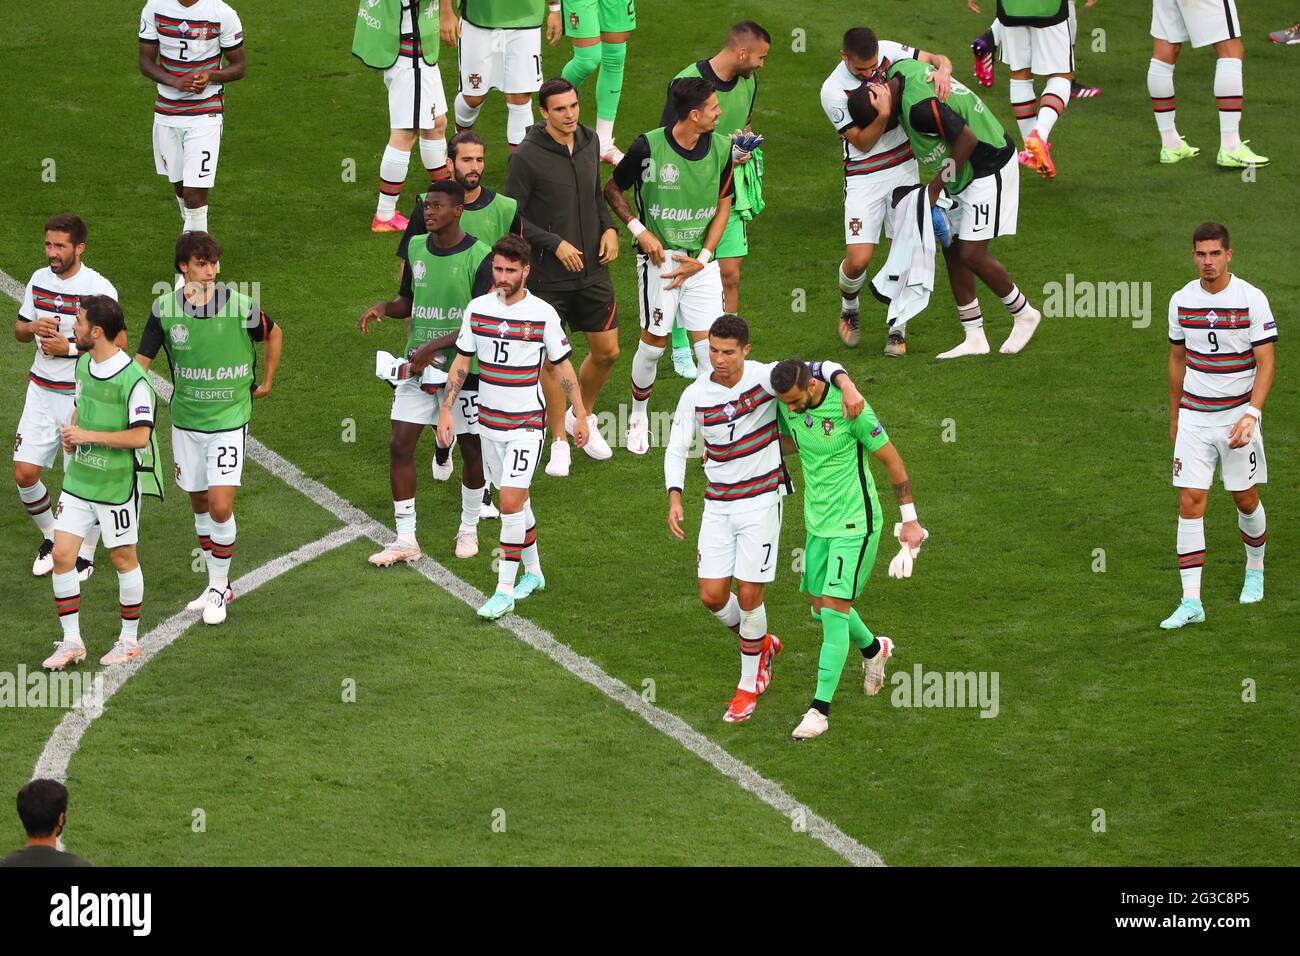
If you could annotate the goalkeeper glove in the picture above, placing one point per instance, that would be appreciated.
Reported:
(942, 228)
(392, 369)
(744, 144)
(901, 566)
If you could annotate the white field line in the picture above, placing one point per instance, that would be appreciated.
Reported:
(65, 740)
(358, 522)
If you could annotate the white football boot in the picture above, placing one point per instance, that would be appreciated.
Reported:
(814, 724)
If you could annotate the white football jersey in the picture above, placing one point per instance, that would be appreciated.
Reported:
(49, 296)
(892, 148)
(1220, 332)
(189, 39)
(510, 342)
(742, 450)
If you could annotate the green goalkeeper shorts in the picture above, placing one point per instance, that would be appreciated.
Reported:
(838, 567)
(735, 240)
(586, 19)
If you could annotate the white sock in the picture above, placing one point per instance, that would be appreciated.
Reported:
(753, 628)
(645, 367)
(971, 316)
(730, 613)
(196, 220)
(180, 201)
(466, 115)
(1254, 533)
(88, 545)
(1024, 106)
(513, 527)
(1229, 90)
(605, 133)
(519, 116)
(1055, 98)
(702, 365)
(849, 288)
(223, 552)
(532, 560)
(1014, 301)
(471, 503)
(67, 601)
(203, 530)
(404, 519)
(392, 177)
(1191, 555)
(36, 499)
(130, 597)
(433, 153)
(1160, 85)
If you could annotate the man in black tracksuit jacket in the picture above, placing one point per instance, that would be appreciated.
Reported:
(554, 175)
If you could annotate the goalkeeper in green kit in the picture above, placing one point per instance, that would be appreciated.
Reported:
(842, 518)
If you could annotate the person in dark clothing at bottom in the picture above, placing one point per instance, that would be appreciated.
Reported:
(43, 808)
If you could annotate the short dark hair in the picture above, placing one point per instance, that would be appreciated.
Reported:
(103, 311)
(199, 245)
(41, 801)
(552, 88)
(861, 43)
(730, 326)
(67, 222)
(690, 93)
(461, 138)
(861, 110)
(1210, 231)
(747, 29)
(513, 248)
(447, 187)
(789, 374)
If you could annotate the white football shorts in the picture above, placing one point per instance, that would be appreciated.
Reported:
(188, 154)
(506, 60)
(1198, 447)
(744, 545)
(208, 459)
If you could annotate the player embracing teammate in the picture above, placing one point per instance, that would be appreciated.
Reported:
(733, 408)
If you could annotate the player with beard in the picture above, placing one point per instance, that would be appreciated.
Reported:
(46, 316)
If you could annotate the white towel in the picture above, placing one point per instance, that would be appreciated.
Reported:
(907, 279)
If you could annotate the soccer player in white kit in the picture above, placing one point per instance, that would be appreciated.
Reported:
(46, 316)
(875, 164)
(500, 45)
(1221, 335)
(511, 331)
(1204, 23)
(182, 43)
(734, 410)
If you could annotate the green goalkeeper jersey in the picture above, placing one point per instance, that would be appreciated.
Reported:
(839, 495)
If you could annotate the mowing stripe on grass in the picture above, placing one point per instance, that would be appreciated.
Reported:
(63, 743)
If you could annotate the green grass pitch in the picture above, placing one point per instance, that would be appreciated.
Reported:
(1030, 471)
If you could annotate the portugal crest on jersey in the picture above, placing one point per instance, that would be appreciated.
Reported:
(573, 20)
(828, 426)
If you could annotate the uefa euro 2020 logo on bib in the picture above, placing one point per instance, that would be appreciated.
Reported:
(180, 335)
